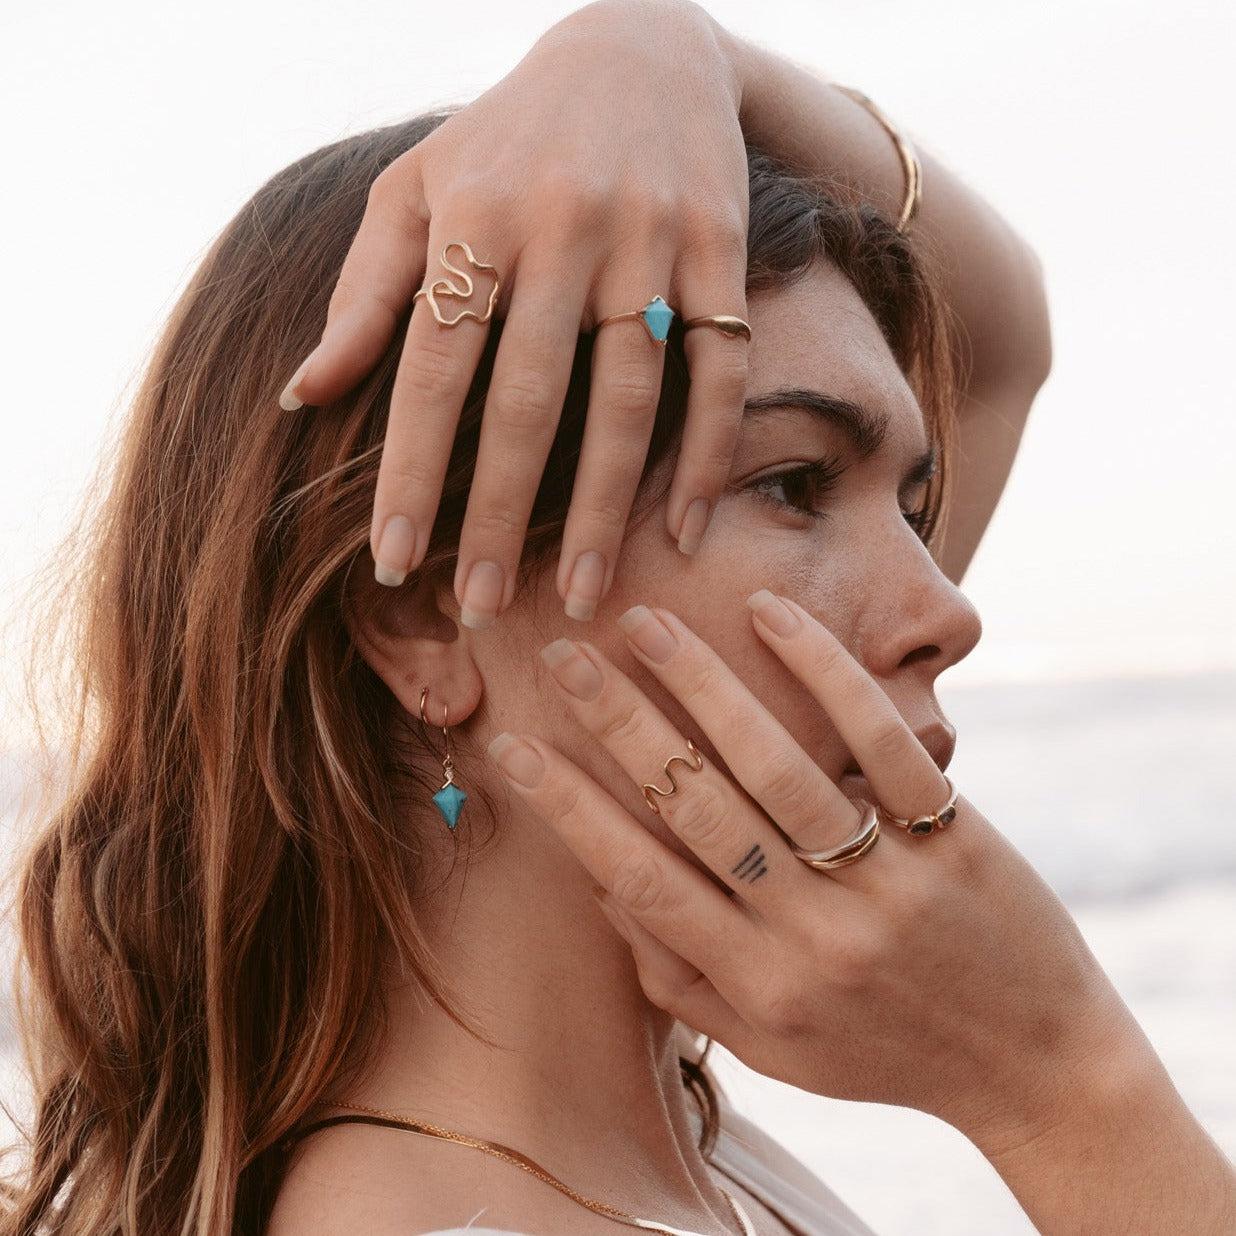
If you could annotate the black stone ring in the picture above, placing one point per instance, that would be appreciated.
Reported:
(924, 824)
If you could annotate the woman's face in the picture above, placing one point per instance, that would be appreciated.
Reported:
(841, 547)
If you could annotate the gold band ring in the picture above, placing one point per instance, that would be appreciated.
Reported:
(445, 287)
(921, 825)
(848, 851)
(726, 323)
(695, 762)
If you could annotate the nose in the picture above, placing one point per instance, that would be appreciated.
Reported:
(926, 624)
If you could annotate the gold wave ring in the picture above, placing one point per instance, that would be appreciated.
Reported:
(445, 287)
(696, 762)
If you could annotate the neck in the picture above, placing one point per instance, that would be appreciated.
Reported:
(582, 1071)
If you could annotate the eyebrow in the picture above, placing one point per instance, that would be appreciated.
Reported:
(865, 429)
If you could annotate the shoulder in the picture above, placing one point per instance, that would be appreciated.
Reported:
(360, 1178)
(353, 1177)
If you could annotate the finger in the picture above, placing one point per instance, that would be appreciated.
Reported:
(904, 777)
(436, 369)
(628, 362)
(757, 749)
(705, 810)
(523, 406)
(379, 275)
(667, 980)
(711, 276)
(670, 897)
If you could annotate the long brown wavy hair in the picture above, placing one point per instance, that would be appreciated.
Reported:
(228, 841)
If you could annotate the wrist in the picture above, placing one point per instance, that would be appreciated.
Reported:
(1114, 1149)
(631, 20)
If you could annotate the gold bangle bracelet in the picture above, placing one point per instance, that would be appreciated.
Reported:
(910, 163)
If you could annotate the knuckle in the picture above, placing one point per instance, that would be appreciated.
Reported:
(648, 208)
(572, 200)
(917, 895)
(386, 188)
(465, 188)
(495, 525)
(565, 801)
(525, 402)
(730, 370)
(714, 228)
(348, 291)
(857, 958)
(781, 1009)
(698, 813)
(395, 190)
(831, 658)
(601, 516)
(430, 371)
(470, 188)
(639, 883)
(409, 472)
(963, 861)
(783, 783)
(718, 457)
(888, 737)
(621, 725)
(699, 686)
(631, 391)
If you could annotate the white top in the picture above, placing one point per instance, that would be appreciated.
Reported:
(760, 1164)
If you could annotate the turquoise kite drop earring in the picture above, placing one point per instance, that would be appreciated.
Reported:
(450, 798)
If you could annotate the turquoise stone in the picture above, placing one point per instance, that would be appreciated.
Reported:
(658, 315)
(450, 801)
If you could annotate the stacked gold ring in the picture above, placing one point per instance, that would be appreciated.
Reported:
(848, 851)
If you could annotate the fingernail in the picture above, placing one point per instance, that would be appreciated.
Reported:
(774, 613)
(584, 589)
(289, 401)
(648, 633)
(482, 595)
(693, 524)
(572, 670)
(395, 549)
(517, 759)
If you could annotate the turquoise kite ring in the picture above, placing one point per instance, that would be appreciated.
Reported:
(656, 316)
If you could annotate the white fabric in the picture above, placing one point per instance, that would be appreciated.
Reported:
(762, 1165)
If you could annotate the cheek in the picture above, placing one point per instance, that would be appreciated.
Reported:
(742, 552)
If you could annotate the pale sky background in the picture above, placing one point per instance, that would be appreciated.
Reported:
(1101, 129)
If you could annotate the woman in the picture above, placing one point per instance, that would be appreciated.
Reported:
(267, 934)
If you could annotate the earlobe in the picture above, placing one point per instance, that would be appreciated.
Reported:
(411, 639)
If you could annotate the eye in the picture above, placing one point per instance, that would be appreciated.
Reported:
(801, 488)
(920, 521)
(804, 488)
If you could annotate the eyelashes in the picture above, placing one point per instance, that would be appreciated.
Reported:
(817, 479)
(806, 486)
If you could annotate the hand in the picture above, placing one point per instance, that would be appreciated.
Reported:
(935, 972)
(607, 167)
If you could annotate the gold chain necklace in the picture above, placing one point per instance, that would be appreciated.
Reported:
(529, 1165)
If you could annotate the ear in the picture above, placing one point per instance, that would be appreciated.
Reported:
(410, 639)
